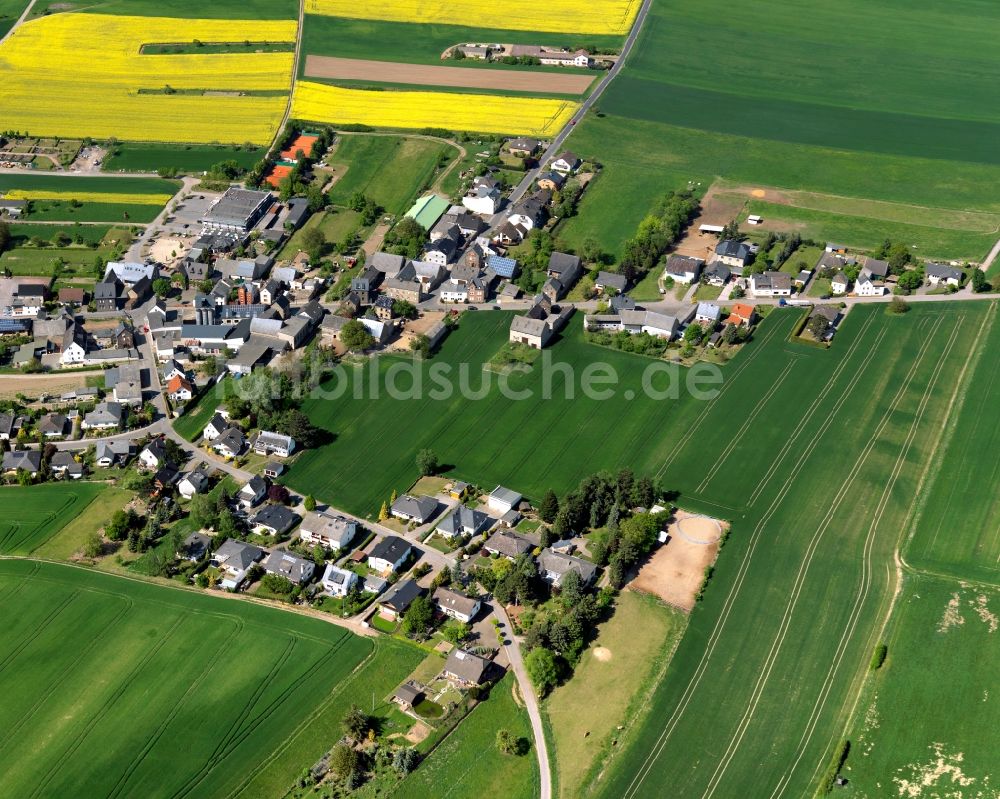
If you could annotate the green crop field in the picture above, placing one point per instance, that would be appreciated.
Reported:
(140, 157)
(957, 526)
(390, 170)
(10, 10)
(928, 724)
(68, 184)
(468, 762)
(64, 211)
(803, 117)
(190, 9)
(124, 688)
(34, 514)
(420, 43)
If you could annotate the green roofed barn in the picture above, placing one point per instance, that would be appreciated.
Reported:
(428, 210)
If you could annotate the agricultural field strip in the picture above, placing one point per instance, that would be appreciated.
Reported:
(318, 102)
(866, 560)
(692, 429)
(521, 80)
(80, 87)
(750, 419)
(557, 16)
(289, 739)
(88, 196)
(909, 524)
(672, 722)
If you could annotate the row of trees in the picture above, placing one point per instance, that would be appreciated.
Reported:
(661, 228)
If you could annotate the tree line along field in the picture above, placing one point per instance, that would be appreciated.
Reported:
(815, 456)
(202, 697)
(34, 515)
(802, 119)
(390, 170)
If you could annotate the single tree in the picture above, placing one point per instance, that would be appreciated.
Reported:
(94, 545)
(355, 336)
(383, 513)
(418, 617)
(427, 462)
(343, 761)
(309, 503)
(542, 669)
(549, 508)
(355, 723)
(506, 741)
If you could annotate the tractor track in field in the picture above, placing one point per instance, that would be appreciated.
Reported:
(702, 667)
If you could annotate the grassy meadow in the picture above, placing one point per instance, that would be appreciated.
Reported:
(391, 170)
(33, 515)
(200, 412)
(697, 101)
(943, 648)
(203, 697)
(145, 157)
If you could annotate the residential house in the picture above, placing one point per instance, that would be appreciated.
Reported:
(463, 520)
(30, 460)
(296, 570)
(442, 251)
(154, 454)
(327, 530)
(552, 180)
(483, 196)
(252, 492)
(105, 416)
(337, 581)
(611, 283)
(366, 284)
(52, 425)
(742, 314)
(215, 428)
(273, 469)
(8, 426)
(269, 443)
(74, 346)
(408, 694)
(123, 337)
(554, 566)
(565, 268)
(707, 313)
(196, 546)
(716, 274)
(414, 509)
(622, 303)
(503, 499)
(72, 296)
(179, 389)
(195, 482)
(465, 667)
(231, 443)
(839, 283)
(683, 269)
(634, 321)
(109, 453)
(399, 598)
(275, 520)
(523, 147)
(63, 464)
(529, 213)
(566, 162)
(389, 554)
(868, 284)
(458, 606)
(507, 544)
(233, 560)
(734, 254)
(771, 284)
(942, 274)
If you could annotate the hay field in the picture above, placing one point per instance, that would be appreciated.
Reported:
(82, 75)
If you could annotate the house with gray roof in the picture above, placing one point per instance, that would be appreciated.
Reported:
(554, 566)
(466, 668)
(233, 559)
(399, 598)
(30, 460)
(52, 425)
(337, 581)
(507, 544)
(707, 313)
(683, 269)
(463, 520)
(105, 416)
(771, 284)
(389, 554)
(611, 283)
(456, 605)
(503, 499)
(293, 568)
(943, 274)
(275, 520)
(414, 509)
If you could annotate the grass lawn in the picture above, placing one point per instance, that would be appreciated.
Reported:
(942, 645)
(383, 625)
(34, 515)
(70, 539)
(335, 225)
(707, 293)
(199, 413)
(820, 287)
(195, 681)
(144, 157)
(391, 170)
(648, 288)
(584, 714)
(468, 762)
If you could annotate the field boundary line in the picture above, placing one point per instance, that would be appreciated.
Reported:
(800, 577)
(105, 708)
(702, 667)
(867, 569)
(751, 417)
(39, 629)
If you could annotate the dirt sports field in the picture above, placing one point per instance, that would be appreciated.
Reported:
(676, 569)
(331, 68)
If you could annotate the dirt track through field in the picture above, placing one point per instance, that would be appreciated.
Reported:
(520, 80)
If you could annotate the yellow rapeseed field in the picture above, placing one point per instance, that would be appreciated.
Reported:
(558, 16)
(318, 102)
(78, 75)
(118, 198)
